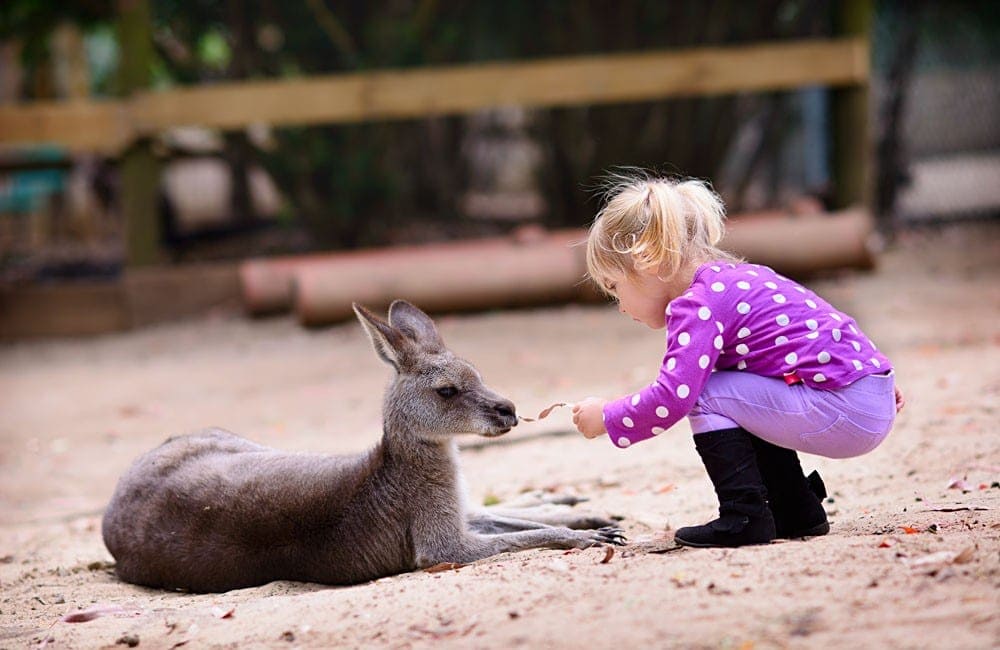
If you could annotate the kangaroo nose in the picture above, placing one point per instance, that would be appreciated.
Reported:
(506, 410)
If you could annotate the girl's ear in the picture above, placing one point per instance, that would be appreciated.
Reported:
(387, 341)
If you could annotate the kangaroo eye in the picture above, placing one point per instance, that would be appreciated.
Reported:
(447, 391)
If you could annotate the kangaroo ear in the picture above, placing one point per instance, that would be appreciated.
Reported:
(415, 325)
(387, 341)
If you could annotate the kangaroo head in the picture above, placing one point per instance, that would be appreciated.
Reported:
(434, 394)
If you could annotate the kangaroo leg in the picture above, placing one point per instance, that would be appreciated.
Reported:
(554, 515)
(471, 546)
(541, 497)
(492, 522)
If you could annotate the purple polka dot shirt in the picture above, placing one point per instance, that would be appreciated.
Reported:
(743, 317)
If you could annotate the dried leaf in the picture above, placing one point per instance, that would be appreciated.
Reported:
(910, 530)
(609, 552)
(545, 412)
(931, 560)
(90, 614)
(221, 612)
(966, 555)
(443, 566)
(959, 483)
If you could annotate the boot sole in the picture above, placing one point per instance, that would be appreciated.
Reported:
(816, 531)
(682, 542)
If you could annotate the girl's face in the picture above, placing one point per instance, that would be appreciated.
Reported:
(644, 297)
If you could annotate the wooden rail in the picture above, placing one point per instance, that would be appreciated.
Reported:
(110, 126)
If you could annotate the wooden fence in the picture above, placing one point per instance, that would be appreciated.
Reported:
(110, 126)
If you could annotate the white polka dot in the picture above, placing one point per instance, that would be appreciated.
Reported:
(800, 289)
(791, 358)
(819, 378)
(743, 333)
(812, 324)
(704, 313)
(743, 308)
(811, 304)
(781, 340)
(718, 342)
(742, 348)
(657, 430)
(716, 268)
(720, 326)
(770, 285)
(851, 327)
(703, 361)
(857, 364)
(671, 364)
(668, 311)
(683, 391)
(778, 298)
(742, 365)
(624, 442)
(753, 273)
(743, 284)
(782, 319)
(876, 362)
(836, 317)
(856, 346)
(812, 335)
(627, 421)
(635, 399)
(823, 357)
(683, 338)
(718, 287)
(836, 335)
(662, 411)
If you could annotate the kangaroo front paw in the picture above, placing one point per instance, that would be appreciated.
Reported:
(610, 535)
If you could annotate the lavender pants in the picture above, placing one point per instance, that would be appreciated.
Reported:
(839, 423)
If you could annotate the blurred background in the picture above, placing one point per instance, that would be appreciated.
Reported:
(150, 148)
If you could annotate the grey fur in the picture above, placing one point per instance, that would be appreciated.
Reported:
(211, 511)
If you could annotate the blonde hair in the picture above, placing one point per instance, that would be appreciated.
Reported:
(653, 223)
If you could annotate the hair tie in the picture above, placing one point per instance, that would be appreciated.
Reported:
(627, 249)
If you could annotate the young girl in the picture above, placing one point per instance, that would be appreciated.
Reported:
(761, 365)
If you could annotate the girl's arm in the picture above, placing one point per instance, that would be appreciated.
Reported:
(694, 342)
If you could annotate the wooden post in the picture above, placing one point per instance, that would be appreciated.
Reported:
(852, 152)
(140, 171)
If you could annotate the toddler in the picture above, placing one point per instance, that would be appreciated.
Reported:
(762, 366)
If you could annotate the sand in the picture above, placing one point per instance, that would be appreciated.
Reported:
(912, 561)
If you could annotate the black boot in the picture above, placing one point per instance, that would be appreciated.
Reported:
(796, 500)
(744, 517)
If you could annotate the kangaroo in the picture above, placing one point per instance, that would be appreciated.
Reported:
(211, 511)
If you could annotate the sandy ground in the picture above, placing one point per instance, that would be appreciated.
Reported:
(913, 559)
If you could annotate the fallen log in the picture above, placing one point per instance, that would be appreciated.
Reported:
(801, 245)
(537, 269)
(491, 273)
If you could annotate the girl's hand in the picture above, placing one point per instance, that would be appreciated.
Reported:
(588, 416)
(900, 400)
